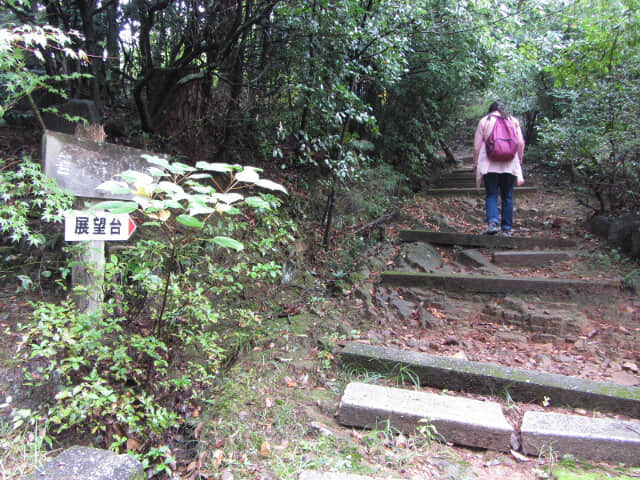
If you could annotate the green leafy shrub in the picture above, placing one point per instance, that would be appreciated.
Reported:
(26, 192)
(126, 375)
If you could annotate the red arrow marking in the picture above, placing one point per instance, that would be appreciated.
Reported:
(132, 226)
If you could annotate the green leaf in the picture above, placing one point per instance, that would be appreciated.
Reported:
(189, 221)
(248, 175)
(137, 178)
(257, 202)
(157, 172)
(116, 206)
(214, 167)
(227, 198)
(156, 160)
(115, 187)
(227, 242)
(268, 184)
(179, 168)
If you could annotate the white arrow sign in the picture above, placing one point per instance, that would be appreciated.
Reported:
(80, 226)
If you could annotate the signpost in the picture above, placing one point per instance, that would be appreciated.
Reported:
(80, 165)
(86, 225)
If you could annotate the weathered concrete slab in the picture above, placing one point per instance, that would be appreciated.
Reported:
(485, 378)
(463, 170)
(463, 175)
(421, 256)
(473, 258)
(531, 257)
(462, 421)
(80, 165)
(555, 318)
(84, 463)
(549, 287)
(594, 439)
(450, 184)
(459, 173)
(453, 182)
(484, 241)
(472, 191)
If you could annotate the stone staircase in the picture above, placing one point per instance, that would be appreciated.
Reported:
(462, 181)
(481, 423)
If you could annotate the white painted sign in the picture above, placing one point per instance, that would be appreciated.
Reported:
(80, 226)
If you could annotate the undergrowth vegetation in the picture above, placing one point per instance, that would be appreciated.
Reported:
(126, 375)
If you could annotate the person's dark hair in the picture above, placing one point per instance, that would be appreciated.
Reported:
(497, 106)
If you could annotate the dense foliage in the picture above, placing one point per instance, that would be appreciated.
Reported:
(573, 74)
(291, 81)
(123, 374)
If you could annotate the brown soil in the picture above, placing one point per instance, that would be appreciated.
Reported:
(602, 346)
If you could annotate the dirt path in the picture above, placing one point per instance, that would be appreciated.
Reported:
(273, 415)
(600, 342)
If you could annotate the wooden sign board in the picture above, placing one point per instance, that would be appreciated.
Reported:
(84, 226)
(80, 165)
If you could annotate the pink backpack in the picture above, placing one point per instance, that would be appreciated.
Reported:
(502, 144)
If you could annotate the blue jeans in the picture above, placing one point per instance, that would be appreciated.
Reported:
(503, 182)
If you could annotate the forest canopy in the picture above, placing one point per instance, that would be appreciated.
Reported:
(340, 84)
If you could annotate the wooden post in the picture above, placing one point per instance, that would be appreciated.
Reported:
(87, 276)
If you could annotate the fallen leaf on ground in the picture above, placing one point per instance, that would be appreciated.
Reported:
(133, 445)
(218, 457)
(265, 449)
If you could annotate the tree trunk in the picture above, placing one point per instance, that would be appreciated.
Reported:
(87, 9)
(112, 66)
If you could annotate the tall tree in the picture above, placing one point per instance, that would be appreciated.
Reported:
(447, 61)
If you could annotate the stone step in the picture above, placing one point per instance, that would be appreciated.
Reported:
(473, 258)
(472, 191)
(466, 177)
(490, 379)
(80, 463)
(471, 177)
(456, 184)
(592, 439)
(462, 421)
(547, 287)
(532, 257)
(484, 241)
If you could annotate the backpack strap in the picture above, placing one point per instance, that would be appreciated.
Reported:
(507, 118)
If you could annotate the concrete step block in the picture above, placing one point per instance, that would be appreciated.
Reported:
(593, 439)
(462, 421)
(472, 191)
(484, 241)
(473, 258)
(543, 287)
(490, 379)
(531, 257)
(86, 463)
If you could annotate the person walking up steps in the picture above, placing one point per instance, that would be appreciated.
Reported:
(498, 150)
